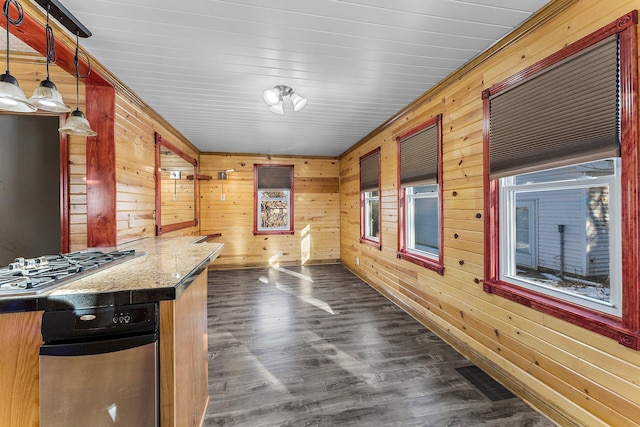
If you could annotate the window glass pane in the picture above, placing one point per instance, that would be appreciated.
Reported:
(274, 210)
(568, 173)
(559, 234)
(372, 215)
(422, 220)
(426, 224)
(523, 230)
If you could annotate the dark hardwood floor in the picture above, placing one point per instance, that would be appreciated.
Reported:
(316, 346)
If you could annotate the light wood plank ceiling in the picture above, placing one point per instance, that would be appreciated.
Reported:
(203, 64)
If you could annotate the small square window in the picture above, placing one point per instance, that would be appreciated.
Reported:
(273, 195)
(274, 210)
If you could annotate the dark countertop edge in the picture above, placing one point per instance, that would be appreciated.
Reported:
(102, 299)
(19, 305)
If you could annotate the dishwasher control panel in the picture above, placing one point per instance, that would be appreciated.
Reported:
(99, 321)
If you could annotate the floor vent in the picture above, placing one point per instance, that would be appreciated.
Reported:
(486, 385)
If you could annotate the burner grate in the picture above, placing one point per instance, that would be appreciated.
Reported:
(36, 274)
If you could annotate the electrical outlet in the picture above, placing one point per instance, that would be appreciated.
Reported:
(131, 220)
(223, 197)
(280, 253)
(358, 260)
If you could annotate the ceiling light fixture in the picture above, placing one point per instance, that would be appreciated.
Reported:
(77, 123)
(275, 99)
(46, 96)
(11, 96)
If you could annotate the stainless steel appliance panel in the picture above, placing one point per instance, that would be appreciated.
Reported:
(117, 388)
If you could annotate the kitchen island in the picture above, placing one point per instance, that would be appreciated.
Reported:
(169, 271)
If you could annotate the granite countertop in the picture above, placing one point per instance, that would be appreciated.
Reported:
(162, 269)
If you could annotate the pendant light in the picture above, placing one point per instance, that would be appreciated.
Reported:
(46, 96)
(11, 96)
(77, 123)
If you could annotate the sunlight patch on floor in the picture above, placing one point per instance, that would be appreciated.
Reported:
(291, 291)
(350, 364)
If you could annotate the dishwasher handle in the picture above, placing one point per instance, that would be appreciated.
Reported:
(109, 345)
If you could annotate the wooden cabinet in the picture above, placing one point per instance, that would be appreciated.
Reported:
(20, 341)
(184, 357)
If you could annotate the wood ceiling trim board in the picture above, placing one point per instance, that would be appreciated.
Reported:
(541, 17)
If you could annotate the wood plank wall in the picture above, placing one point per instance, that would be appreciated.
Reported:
(573, 375)
(135, 160)
(316, 211)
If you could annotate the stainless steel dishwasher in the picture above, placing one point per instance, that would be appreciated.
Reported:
(99, 367)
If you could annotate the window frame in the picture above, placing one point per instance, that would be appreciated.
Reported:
(625, 328)
(368, 200)
(364, 220)
(257, 209)
(435, 263)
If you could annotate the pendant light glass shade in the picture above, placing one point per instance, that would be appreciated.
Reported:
(46, 97)
(77, 124)
(11, 96)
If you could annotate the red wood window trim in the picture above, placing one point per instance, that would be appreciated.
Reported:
(626, 329)
(431, 264)
(291, 229)
(363, 239)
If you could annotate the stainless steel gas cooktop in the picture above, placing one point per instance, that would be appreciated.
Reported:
(36, 275)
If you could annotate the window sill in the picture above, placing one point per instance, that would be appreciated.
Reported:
(373, 243)
(422, 262)
(589, 319)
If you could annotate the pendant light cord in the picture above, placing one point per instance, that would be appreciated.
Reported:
(76, 62)
(16, 22)
(51, 43)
